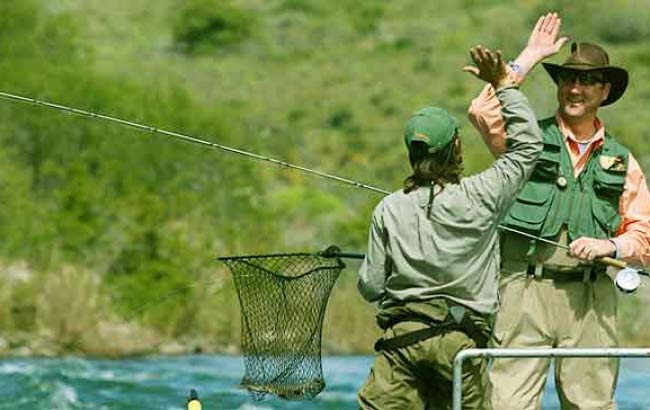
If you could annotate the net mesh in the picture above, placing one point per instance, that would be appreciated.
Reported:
(283, 300)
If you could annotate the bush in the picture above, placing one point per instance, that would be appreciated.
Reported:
(209, 25)
(313, 7)
(613, 21)
(365, 15)
(625, 24)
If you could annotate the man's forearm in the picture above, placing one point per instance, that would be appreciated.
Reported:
(525, 62)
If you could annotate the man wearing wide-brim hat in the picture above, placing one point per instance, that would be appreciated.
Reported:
(588, 192)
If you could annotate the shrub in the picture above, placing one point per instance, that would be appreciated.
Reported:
(365, 15)
(625, 24)
(209, 25)
(614, 21)
(313, 7)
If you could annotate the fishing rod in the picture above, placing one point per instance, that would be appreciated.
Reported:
(197, 141)
(185, 138)
(283, 164)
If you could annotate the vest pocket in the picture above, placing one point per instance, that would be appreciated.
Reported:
(545, 170)
(605, 212)
(548, 164)
(609, 178)
(529, 209)
(608, 187)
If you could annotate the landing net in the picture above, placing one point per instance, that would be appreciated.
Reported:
(283, 300)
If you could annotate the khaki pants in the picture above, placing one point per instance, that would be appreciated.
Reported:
(419, 376)
(544, 313)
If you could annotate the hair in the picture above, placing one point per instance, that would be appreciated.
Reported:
(441, 167)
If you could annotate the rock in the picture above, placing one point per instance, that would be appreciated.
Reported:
(172, 348)
(22, 351)
(4, 347)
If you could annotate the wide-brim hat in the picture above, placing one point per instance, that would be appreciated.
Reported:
(590, 57)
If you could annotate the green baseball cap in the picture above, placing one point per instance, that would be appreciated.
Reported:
(432, 125)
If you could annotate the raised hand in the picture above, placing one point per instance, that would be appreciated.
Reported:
(489, 66)
(542, 43)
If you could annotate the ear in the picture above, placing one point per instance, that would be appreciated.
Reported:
(606, 88)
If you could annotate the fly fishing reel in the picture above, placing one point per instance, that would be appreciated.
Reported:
(628, 280)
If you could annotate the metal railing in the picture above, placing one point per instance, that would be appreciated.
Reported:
(534, 352)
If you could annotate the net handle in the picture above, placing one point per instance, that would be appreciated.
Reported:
(334, 251)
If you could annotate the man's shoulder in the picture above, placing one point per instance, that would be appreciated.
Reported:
(613, 142)
(613, 148)
(391, 199)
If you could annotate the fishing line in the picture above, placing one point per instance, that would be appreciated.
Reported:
(213, 145)
(185, 138)
(248, 154)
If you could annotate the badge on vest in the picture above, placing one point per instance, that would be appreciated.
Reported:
(612, 163)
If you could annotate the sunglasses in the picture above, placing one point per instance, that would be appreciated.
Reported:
(583, 77)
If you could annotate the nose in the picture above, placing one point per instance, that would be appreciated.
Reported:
(573, 84)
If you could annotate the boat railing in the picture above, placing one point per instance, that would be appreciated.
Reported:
(534, 352)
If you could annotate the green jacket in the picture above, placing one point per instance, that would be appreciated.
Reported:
(454, 253)
(553, 198)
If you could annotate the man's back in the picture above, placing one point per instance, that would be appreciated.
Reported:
(451, 251)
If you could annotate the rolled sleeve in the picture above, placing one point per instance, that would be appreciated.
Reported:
(497, 186)
(485, 115)
(633, 236)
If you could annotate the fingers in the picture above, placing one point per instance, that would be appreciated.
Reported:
(539, 24)
(498, 58)
(473, 53)
(489, 65)
(555, 28)
(550, 22)
(591, 248)
(587, 254)
(561, 41)
(483, 56)
(471, 69)
(581, 248)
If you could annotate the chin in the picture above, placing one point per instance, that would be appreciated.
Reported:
(573, 112)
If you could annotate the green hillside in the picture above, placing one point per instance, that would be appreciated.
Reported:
(109, 235)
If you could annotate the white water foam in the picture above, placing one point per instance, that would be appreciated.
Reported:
(249, 406)
(16, 368)
(64, 397)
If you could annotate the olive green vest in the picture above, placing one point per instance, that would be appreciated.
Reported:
(553, 198)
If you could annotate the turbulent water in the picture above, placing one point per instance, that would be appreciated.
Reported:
(163, 383)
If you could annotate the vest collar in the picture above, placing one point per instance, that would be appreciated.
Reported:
(566, 131)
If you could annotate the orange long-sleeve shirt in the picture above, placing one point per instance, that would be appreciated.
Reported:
(633, 236)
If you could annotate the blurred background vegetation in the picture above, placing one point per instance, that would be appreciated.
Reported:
(108, 235)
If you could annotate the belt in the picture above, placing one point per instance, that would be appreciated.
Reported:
(568, 275)
(465, 325)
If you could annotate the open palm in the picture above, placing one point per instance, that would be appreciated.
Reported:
(543, 41)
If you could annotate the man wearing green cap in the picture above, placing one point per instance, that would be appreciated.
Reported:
(587, 192)
(432, 259)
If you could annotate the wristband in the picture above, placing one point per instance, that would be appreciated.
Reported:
(516, 68)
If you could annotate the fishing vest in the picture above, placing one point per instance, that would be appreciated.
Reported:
(553, 198)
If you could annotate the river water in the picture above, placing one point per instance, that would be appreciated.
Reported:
(162, 383)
